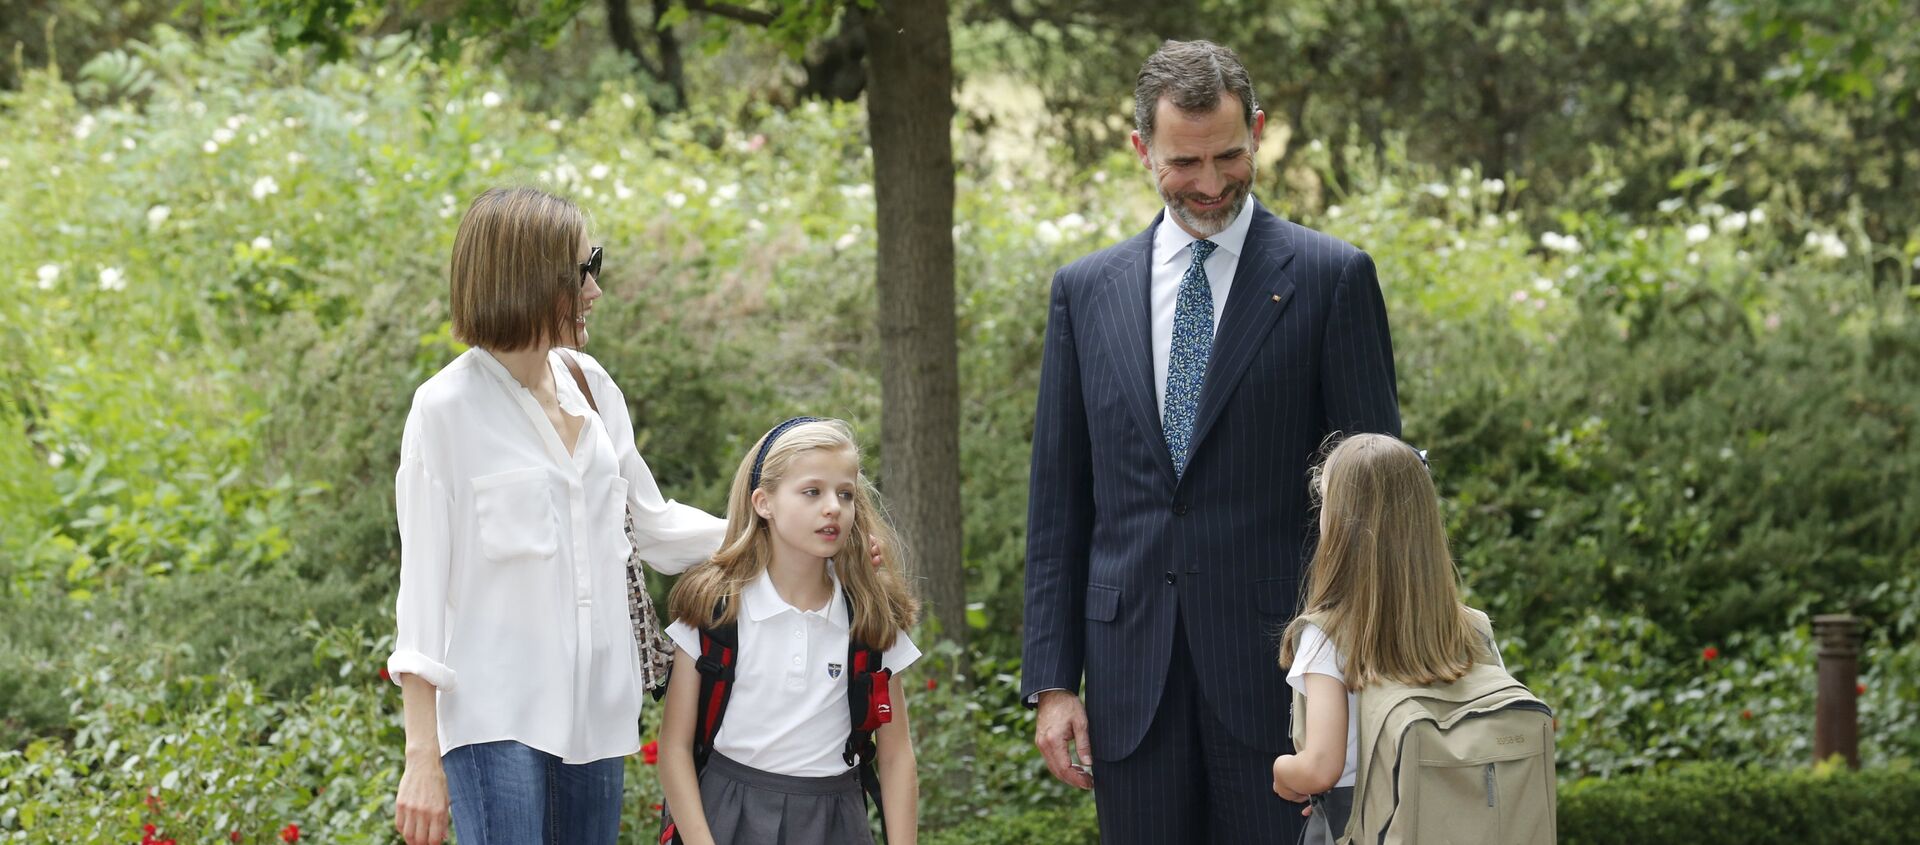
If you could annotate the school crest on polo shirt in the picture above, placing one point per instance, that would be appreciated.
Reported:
(833, 671)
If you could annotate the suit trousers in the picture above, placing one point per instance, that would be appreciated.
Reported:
(1191, 781)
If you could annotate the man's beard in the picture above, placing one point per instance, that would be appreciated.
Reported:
(1210, 223)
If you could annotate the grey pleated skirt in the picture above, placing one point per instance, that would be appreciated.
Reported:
(746, 806)
(1329, 820)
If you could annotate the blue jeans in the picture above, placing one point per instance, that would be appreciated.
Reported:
(504, 793)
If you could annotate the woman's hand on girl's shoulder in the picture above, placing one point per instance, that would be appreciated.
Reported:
(876, 548)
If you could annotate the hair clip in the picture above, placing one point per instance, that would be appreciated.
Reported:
(767, 443)
(1422, 455)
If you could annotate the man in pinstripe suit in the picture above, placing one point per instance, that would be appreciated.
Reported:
(1191, 373)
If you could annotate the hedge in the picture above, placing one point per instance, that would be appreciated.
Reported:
(1698, 804)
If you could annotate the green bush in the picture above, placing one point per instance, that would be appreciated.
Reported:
(1719, 804)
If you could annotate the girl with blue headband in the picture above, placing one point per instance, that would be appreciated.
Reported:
(785, 694)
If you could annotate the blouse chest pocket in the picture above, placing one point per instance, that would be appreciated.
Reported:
(515, 514)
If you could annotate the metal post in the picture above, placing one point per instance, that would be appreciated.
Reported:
(1836, 717)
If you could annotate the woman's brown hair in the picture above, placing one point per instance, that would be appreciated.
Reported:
(882, 602)
(514, 280)
(1382, 578)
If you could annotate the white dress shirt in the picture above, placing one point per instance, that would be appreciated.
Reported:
(1172, 255)
(788, 712)
(513, 599)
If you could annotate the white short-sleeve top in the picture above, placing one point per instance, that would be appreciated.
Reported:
(788, 711)
(1317, 655)
(512, 595)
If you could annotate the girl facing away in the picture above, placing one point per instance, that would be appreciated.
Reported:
(1386, 589)
(791, 580)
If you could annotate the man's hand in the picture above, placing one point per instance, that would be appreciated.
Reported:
(420, 808)
(1060, 731)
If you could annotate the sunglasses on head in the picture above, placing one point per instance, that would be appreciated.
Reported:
(590, 267)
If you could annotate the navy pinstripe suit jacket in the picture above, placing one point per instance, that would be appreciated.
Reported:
(1116, 546)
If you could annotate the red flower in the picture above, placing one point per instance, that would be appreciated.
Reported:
(153, 800)
(1709, 654)
(290, 833)
(148, 829)
(234, 836)
(657, 808)
(650, 753)
(383, 674)
(1859, 689)
(931, 684)
(1746, 714)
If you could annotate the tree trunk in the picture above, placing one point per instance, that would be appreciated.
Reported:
(673, 71)
(669, 71)
(836, 68)
(910, 112)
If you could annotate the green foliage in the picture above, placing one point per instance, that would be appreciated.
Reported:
(1708, 804)
(1654, 433)
(1718, 803)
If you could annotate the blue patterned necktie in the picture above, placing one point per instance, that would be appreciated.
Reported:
(1187, 360)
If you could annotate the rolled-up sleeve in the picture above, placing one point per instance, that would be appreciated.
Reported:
(426, 554)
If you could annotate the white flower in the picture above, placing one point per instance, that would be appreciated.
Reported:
(112, 279)
(598, 172)
(289, 122)
(553, 126)
(49, 273)
(1436, 190)
(210, 147)
(222, 135)
(1713, 209)
(1560, 243)
(1047, 232)
(1698, 233)
(621, 190)
(1773, 322)
(1827, 243)
(854, 192)
(158, 215)
(1693, 257)
(5, 163)
(847, 240)
(1726, 453)
(628, 101)
(264, 186)
(263, 243)
(1640, 233)
(755, 226)
(55, 459)
(696, 184)
(1671, 205)
(1334, 212)
(1493, 186)
(1734, 222)
(84, 128)
(127, 144)
(727, 192)
(1543, 284)
(1520, 295)
(234, 121)
(1757, 216)
(295, 158)
(675, 199)
(1100, 178)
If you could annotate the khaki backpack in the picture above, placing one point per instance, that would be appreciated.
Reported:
(1450, 764)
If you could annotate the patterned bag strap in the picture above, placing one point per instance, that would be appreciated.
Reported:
(579, 379)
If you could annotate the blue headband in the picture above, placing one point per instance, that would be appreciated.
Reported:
(767, 443)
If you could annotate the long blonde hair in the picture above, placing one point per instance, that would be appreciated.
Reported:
(1381, 579)
(882, 602)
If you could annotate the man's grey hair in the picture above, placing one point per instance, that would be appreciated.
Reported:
(1193, 74)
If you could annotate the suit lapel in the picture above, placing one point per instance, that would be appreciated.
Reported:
(1262, 291)
(1132, 282)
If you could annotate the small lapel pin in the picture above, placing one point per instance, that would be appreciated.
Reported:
(1276, 297)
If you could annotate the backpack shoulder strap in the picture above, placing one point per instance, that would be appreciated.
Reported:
(1484, 627)
(869, 705)
(579, 378)
(719, 654)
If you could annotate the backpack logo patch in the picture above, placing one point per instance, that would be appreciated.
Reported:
(833, 671)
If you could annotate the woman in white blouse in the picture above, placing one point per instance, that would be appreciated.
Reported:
(515, 652)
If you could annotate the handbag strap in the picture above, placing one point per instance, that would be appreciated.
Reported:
(579, 378)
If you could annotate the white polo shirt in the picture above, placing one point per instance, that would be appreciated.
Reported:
(788, 712)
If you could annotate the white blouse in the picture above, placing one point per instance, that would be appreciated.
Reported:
(788, 711)
(512, 559)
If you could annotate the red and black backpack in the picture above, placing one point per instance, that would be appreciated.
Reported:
(868, 704)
